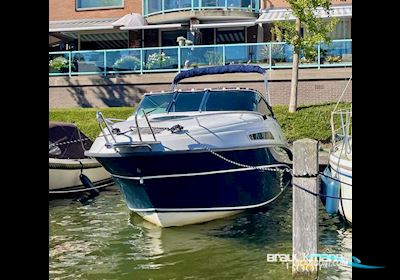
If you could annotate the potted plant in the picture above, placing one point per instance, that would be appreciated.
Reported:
(181, 41)
(213, 58)
(333, 59)
(158, 60)
(127, 63)
(58, 64)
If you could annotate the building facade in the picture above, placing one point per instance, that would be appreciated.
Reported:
(89, 24)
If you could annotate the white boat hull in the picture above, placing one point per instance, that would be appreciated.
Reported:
(64, 173)
(341, 169)
(169, 219)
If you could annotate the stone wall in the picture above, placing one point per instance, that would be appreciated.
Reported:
(315, 87)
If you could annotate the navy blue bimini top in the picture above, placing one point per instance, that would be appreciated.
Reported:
(235, 68)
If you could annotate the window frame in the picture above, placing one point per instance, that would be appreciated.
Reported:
(99, 8)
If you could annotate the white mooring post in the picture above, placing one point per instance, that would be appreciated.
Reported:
(305, 206)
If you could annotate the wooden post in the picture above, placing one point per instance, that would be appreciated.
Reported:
(305, 206)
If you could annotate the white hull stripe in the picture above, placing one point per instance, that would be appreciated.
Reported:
(200, 173)
(206, 209)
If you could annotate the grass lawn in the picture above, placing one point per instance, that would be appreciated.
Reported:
(307, 122)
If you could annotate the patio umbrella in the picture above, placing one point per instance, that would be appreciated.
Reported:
(130, 20)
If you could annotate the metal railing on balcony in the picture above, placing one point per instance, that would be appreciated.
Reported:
(153, 7)
(272, 55)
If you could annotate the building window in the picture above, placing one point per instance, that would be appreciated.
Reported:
(231, 36)
(342, 29)
(101, 41)
(168, 38)
(98, 4)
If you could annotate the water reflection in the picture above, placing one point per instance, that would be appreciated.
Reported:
(103, 240)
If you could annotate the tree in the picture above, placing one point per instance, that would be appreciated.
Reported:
(316, 30)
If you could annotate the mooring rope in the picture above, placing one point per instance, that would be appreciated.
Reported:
(320, 194)
(336, 179)
(281, 170)
(80, 190)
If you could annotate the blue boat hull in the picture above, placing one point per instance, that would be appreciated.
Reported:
(200, 189)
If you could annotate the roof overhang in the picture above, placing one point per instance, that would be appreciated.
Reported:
(81, 25)
(340, 11)
(152, 26)
(72, 29)
(224, 24)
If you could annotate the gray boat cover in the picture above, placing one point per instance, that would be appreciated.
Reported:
(66, 141)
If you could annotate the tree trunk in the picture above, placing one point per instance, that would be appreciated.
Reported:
(295, 73)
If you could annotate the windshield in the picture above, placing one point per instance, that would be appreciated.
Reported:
(208, 100)
(155, 103)
(231, 101)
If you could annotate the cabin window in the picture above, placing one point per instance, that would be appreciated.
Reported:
(267, 135)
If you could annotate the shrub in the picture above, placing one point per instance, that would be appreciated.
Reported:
(58, 64)
(158, 60)
(126, 63)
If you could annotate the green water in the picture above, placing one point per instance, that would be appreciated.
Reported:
(103, 240)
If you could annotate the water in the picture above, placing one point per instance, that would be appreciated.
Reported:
(103, 240)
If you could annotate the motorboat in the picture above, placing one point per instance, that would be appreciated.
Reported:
(67, 161)
(196, 155)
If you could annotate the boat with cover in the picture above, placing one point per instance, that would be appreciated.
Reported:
(191, 156)
(67, 161)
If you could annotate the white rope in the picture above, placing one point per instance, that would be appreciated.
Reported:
(340, 98)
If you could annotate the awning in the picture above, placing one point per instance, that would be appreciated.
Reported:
(224, 24)
(81, 25)
(130, 20)
(342, 11)
(152, 26)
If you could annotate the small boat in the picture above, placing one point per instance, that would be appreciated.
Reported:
(337, 179)
(192, 156)
(67, 161)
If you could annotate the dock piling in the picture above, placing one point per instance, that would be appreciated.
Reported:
(305, 207)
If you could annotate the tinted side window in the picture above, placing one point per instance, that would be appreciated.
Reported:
(262, 107)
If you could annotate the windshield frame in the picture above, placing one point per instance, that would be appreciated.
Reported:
(205, 98)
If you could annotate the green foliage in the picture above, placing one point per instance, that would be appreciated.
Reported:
(309, 121)
(85, 118)
(128, 62)
(316, 28)
(158, 60)
(59, 63)
(333, 59)
(213, 57)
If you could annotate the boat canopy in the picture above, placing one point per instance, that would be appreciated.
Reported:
(218, 70)
(65, 141)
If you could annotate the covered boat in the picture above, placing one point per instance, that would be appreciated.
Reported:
(191, 156)
(67, 161)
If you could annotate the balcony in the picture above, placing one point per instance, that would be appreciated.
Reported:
(199, 8)
(272, 55)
